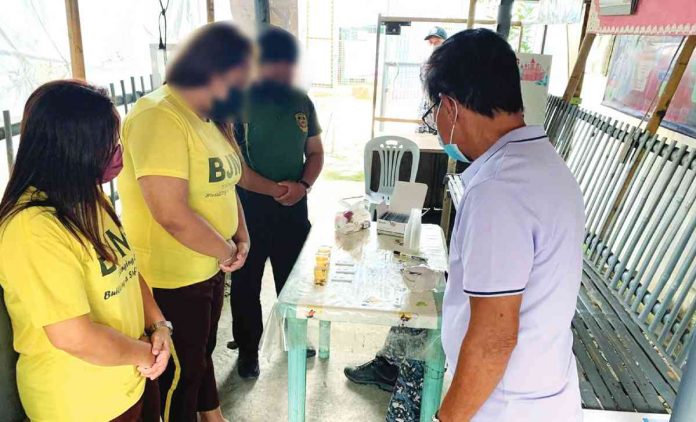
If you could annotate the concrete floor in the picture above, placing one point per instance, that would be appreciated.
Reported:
(329, 395)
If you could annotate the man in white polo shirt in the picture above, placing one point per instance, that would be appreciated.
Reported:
(516, 248)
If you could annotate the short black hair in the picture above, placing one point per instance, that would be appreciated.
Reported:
(278, 45)
(478, 68)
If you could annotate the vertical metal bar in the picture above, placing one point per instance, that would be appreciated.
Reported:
(142, 85)
(112, 91)
(374, 88)
(543, 39)
(685, 404)
(643, 166)
(640, 219)
(584, 140)
(672, 230)
(9, 148)
(678, 281)
(135, 92)
(681, 329)
(586, 160)
(604, 176)
(123, 94)
(671, 320)
(635, 158)
(681, 357)
(671, 265)
(610, 187)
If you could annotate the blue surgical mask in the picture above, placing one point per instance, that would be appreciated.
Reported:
(451, 149)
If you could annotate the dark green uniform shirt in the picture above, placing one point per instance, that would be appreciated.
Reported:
(278, 125)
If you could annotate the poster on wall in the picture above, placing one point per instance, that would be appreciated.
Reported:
(638, 69)
(534, 80)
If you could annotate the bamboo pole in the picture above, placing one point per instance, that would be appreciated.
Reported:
(211, 10)
(579, 68)
(77, 56)
(472, 14)
(672, 84)
(583, 32)
(653, 124)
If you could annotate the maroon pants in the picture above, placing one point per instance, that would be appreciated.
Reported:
(147, 409)
(188, 386)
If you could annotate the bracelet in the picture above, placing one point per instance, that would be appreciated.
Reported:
(160, 324)
(306, 185)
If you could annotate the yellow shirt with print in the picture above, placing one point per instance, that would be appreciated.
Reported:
(162, 136)
(48, 276)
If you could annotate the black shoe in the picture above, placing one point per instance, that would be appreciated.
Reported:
(311, 352)
(377, 372)
(248, 367)
(232, 345)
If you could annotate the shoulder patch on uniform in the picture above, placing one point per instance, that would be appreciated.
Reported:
(301, 119)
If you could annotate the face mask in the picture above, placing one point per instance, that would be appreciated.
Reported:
(226, 110)
(114, 167)
(451, 149)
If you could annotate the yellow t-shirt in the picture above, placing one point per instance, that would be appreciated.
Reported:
(48, 277)
(162, 136)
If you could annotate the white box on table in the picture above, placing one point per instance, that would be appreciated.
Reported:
(406, 196)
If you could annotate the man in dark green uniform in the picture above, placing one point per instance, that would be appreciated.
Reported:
(281, 142)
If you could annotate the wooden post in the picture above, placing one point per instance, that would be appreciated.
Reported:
(579, 68)
(583, 32)
(672, 84)
(77, 56)
(652, 126)
(472, 14)
(211, 10)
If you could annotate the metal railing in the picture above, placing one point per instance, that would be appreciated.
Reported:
(640, 201)
(129, 91)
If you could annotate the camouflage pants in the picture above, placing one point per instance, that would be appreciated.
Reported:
(401, 345)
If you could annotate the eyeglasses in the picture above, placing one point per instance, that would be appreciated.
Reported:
(428, 117)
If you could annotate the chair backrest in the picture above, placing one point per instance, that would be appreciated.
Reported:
(641, 239)
(391, 151)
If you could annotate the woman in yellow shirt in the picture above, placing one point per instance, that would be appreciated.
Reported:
(77, 305)
(180, 207)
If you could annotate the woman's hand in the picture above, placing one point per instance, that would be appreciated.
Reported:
(239, 259)
(160, 342)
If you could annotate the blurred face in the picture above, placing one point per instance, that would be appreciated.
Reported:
(279, 72)
(237, 77)
(435, 42)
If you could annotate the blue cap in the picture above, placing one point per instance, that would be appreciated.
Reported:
(437, 31)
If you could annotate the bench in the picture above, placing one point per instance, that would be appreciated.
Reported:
(635, 312)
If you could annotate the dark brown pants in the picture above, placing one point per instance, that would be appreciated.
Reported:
(188, 386)
(147, 409)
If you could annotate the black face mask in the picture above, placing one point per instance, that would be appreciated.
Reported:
(229, 109)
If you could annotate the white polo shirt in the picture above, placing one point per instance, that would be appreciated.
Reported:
(520, 230)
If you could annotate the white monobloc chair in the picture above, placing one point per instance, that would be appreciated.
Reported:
(391, 151)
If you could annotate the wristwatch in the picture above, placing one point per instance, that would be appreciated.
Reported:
(306, 185)
(159, 324)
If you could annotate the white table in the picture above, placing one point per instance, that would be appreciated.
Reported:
(375, 295)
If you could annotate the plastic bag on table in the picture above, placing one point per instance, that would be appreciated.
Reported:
(353, 218)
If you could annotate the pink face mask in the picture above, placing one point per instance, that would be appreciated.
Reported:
(114, 167)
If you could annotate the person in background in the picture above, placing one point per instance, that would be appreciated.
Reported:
(435, 38)
(516, 247)
(77, 304)
(181, 211)
(281, 143)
